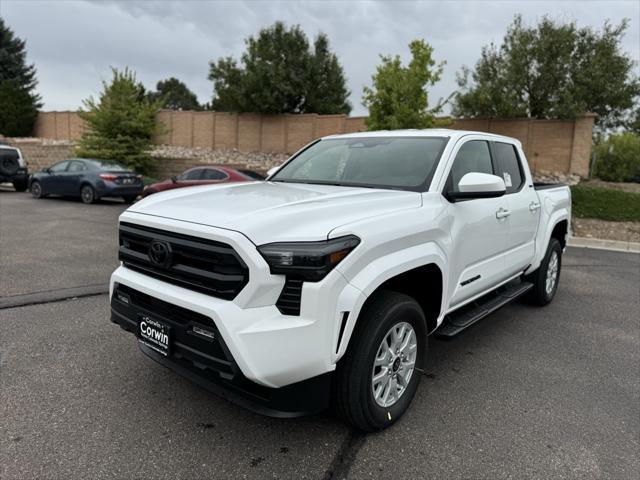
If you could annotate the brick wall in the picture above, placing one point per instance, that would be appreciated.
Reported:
(553, 146)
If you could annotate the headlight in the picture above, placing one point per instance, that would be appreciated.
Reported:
(310, 261)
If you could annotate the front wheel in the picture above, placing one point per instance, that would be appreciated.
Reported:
(545, 279)
(36, 189)
(129, 199)
(87, 194)
(379, 375)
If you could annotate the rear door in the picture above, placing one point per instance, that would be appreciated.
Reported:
(523, 206)
(479, 237)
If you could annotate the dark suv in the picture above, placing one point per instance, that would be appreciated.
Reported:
(13, 168)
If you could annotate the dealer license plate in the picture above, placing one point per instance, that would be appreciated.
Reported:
(154, 334)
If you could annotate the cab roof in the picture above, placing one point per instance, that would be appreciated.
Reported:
(429, 132)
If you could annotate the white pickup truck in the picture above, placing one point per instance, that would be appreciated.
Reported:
(321, 284)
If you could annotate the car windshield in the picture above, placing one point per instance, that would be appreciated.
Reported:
(109, 165)
(404, 163)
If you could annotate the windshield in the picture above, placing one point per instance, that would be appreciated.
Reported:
(405, 163)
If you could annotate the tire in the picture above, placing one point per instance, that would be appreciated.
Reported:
(36, 189)
(87, 194)
(130, 199)
(20, 185)
(353, 390)
(9, 165)
(546, 278)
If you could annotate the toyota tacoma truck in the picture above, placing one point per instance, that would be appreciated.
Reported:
(321, 285)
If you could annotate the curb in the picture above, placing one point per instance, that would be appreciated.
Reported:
(50, 296)
(601, 244)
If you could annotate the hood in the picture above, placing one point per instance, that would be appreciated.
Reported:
(268, 212)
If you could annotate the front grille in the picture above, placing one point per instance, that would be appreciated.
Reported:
(198, 264)
(205, 354)
(289, 301)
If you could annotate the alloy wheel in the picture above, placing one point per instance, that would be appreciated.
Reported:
(394, 364)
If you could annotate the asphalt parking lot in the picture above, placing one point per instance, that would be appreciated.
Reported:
(527, 393)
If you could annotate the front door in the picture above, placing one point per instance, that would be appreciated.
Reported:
(479, 231)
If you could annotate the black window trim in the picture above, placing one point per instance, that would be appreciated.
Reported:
(498, 164)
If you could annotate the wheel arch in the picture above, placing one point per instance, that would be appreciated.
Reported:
(422, 278)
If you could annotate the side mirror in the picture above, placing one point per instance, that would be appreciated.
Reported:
(47, 170)
(174, 179)
(478, 185)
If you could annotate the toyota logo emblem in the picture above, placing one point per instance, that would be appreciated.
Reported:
(160, 253)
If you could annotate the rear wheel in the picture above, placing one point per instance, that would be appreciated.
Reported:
(545, 279)
(36, 189)
(87, 194)
(377, 378)
(20, 185)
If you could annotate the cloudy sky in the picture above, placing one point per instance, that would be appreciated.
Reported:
(73, 43)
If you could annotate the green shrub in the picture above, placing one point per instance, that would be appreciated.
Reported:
(618, 158)
(605, 204)
(120, 124)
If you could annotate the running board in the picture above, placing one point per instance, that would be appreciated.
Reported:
(456, 322)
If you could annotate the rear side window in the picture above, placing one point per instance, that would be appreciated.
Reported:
(509, 166)
(213, 174)
(77, 167)
(473, 156)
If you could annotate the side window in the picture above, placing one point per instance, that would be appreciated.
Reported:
(77, 167)
(214, 174)
(193, 174)
(509, 166)
(59, 167)
(473, 156)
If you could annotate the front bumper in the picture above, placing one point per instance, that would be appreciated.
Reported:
(208, 362)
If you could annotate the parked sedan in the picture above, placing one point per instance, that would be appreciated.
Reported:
(204, 175)
(87, 179)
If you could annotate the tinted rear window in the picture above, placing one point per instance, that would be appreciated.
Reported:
(509, 166)
(109, 165)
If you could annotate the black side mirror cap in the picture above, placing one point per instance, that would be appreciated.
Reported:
(458, 196)
(174, 179)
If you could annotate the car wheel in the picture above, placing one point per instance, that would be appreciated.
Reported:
(36, 189)
(378, 376)
(20, 185)
(129, 199)
(87, 194)
(545, 279)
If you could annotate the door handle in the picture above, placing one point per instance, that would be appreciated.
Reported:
(533, 206)
(502, 213)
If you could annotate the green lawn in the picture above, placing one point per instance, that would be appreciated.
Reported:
(605, 204)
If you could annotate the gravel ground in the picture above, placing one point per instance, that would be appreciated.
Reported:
(594, 228)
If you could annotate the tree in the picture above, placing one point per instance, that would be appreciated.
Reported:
(18, 81)
(175, 95)
(121, 124)
(278, 73)
(399, 96)
(618, 157)
(552, 70)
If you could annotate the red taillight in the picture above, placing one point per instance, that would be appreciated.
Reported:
(107, 176)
